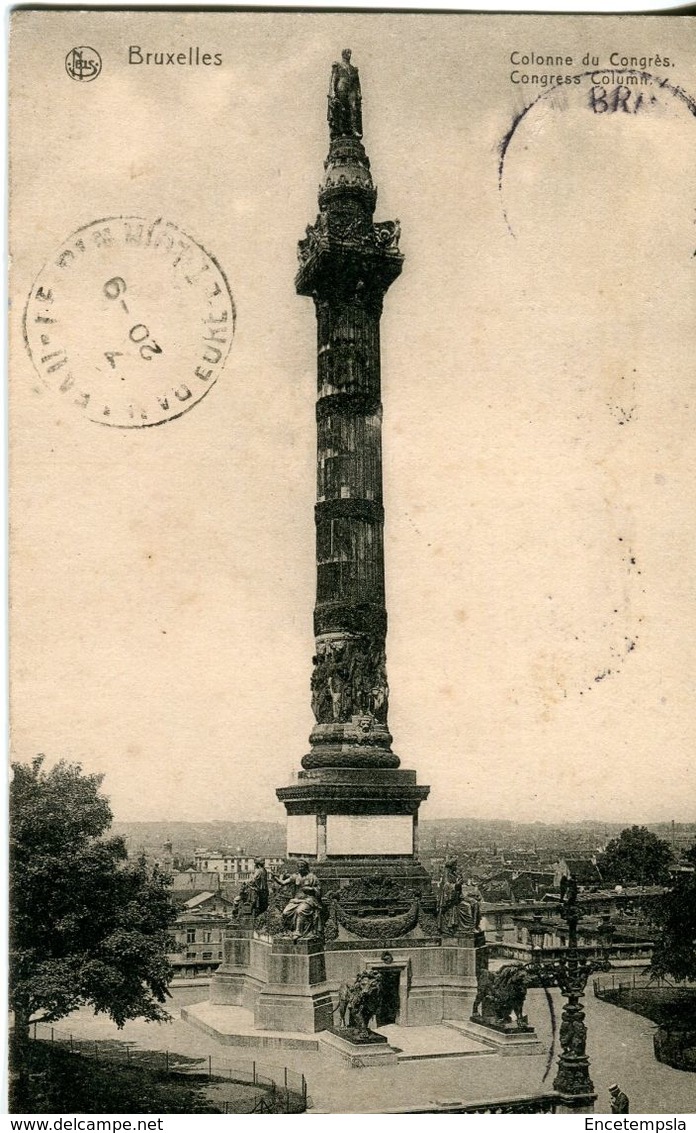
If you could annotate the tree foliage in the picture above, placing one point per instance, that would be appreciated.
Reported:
(674, 953)
(637, 857)
(87, 925)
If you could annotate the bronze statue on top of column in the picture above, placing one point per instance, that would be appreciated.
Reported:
(345, 113)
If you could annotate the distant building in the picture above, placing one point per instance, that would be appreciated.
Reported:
(496, 886)
(521, 859)
(237, 866)
(207, 903)
(190, 881)
(530, 884)
(583, 868)
(219, 872)
(198, 934)
(628, 911)
(682, 866)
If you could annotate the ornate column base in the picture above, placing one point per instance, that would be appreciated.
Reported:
(573, 1081)
(576, 1103)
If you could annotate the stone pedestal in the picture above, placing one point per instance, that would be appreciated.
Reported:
(504, 1042)
(504, 1029)
(296, 997)
(358, 1055)
(243, 973)
(228, 982)
(356, 821)
(294, 986)
(282, 981)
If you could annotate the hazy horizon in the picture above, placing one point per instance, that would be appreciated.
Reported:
(424, 819)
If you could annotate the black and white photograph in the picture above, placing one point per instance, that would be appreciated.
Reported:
(352, 560)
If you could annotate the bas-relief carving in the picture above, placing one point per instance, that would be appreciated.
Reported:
(376, 908)
(384, 234)
(379, 928)
(349, 679)
(373, 908)
(573, 1034)
(314, 235)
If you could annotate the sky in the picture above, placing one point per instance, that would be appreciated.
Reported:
(538, 391)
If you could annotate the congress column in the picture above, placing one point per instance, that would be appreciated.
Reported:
(351, 802)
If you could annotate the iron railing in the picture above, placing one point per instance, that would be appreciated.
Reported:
(275, 1089)
(617, 981)
(530, 1103)
(509, 950)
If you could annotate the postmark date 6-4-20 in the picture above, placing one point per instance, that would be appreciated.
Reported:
(131, 321)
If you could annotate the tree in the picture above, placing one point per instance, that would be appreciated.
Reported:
(87, 925)
(674, 953)
(637, 857)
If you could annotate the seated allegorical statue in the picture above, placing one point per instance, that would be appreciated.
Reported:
(457, 912)
(304, 911)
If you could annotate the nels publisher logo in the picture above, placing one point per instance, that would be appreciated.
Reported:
(83, 64)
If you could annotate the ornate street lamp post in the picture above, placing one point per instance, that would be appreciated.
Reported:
(537, 933)
(573, 1080)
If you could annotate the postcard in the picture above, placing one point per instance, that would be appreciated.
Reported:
(352, 564)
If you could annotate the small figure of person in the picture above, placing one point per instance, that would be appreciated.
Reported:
(380, 688)
(258, 888)
(321, 697)
(359, 682)
(619, 1101)
(339, 685)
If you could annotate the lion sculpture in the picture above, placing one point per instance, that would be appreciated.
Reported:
(500, 995)
(359, 1002)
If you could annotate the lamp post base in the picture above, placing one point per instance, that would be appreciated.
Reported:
(576, 1103)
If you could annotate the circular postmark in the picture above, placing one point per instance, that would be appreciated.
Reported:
(620, 95)
(131, 321)
(83, 64)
